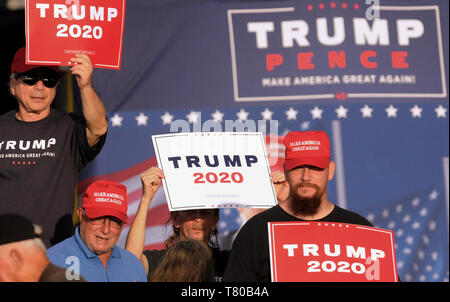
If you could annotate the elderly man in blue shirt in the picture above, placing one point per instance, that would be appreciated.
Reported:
(92, 251)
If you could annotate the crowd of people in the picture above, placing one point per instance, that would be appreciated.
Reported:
(38, 241)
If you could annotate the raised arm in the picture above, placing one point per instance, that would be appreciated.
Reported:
(93, 108)
(151, 180)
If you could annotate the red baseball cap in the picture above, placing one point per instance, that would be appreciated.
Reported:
(105, 198)
(307, 148)
(18, 64)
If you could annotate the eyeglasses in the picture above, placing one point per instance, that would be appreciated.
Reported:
(49, 81)
(114, 223)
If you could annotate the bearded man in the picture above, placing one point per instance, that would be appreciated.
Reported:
(308, 169)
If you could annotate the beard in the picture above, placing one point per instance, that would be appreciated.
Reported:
(305, 206)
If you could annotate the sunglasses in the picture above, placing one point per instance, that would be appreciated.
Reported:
(49, 80)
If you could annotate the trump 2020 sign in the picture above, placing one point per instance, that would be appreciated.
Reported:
(331, 252)
(57, 30)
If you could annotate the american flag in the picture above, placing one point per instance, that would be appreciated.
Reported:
(421, 248)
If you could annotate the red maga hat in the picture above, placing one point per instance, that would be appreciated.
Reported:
(18, 64)
(105, 198)
(307, 148)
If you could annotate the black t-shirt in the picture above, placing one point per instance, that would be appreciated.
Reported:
(250, 260)
(154, 258)
(39, 165)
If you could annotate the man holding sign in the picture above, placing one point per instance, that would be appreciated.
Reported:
(42, 150)
(307, 169)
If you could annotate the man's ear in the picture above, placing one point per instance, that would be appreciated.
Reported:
(331, 170)
(79, 213)
(16, 258)
(12, 86)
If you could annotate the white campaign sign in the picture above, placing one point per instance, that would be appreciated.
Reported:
(214, 170)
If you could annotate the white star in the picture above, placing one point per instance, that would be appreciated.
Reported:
(408, 277)
(410, 240)
(423, 212)
(341, 112)
(242, 115)
(399, 208)
(415, 202)
(422, 278)
(141, 119)
(116, 120)
(217, 116)
(440, 111)
(432, 225)
(267, 114)
(385, 213)
(316, 113)
(416, 111)
(370, 217)
(193, 117)
(421, 255)
(391, 111)
(434, 256)
(407, 251)
(433, 195)
(391, 225)
(305, 125)
(167, 118)
(291, 114)
(366, 111)
(406, 219)
(416, 225)
(425, 239)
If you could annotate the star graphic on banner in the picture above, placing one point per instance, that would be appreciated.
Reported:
(242, 115)
(141, 119)
(193, 117)
(217, 116)
(433, 195)
(291, 114)
(416, 111)
(167, 118)
(440, 111)
(341, 112)
(391, 111)
(116, 120)
(316, 113)
(305, 125)
(366, 111)
(267, 114)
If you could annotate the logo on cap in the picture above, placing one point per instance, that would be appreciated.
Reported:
(307, 148)
(105, 198)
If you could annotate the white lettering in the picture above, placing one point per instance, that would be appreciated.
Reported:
(260, 29)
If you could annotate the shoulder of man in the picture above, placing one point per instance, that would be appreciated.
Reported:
(53, 273)
(351, 217)
(58, 253)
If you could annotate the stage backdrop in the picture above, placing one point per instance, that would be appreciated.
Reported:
(373, 76)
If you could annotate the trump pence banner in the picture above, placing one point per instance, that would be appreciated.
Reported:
(329, 251)
(57, 30)
(214, 170)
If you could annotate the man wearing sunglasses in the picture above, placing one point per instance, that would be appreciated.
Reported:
(42, 150)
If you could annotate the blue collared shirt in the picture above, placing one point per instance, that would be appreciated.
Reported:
(76, 257)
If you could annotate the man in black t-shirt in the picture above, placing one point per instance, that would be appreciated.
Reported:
(308, 170)
(43, 150)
